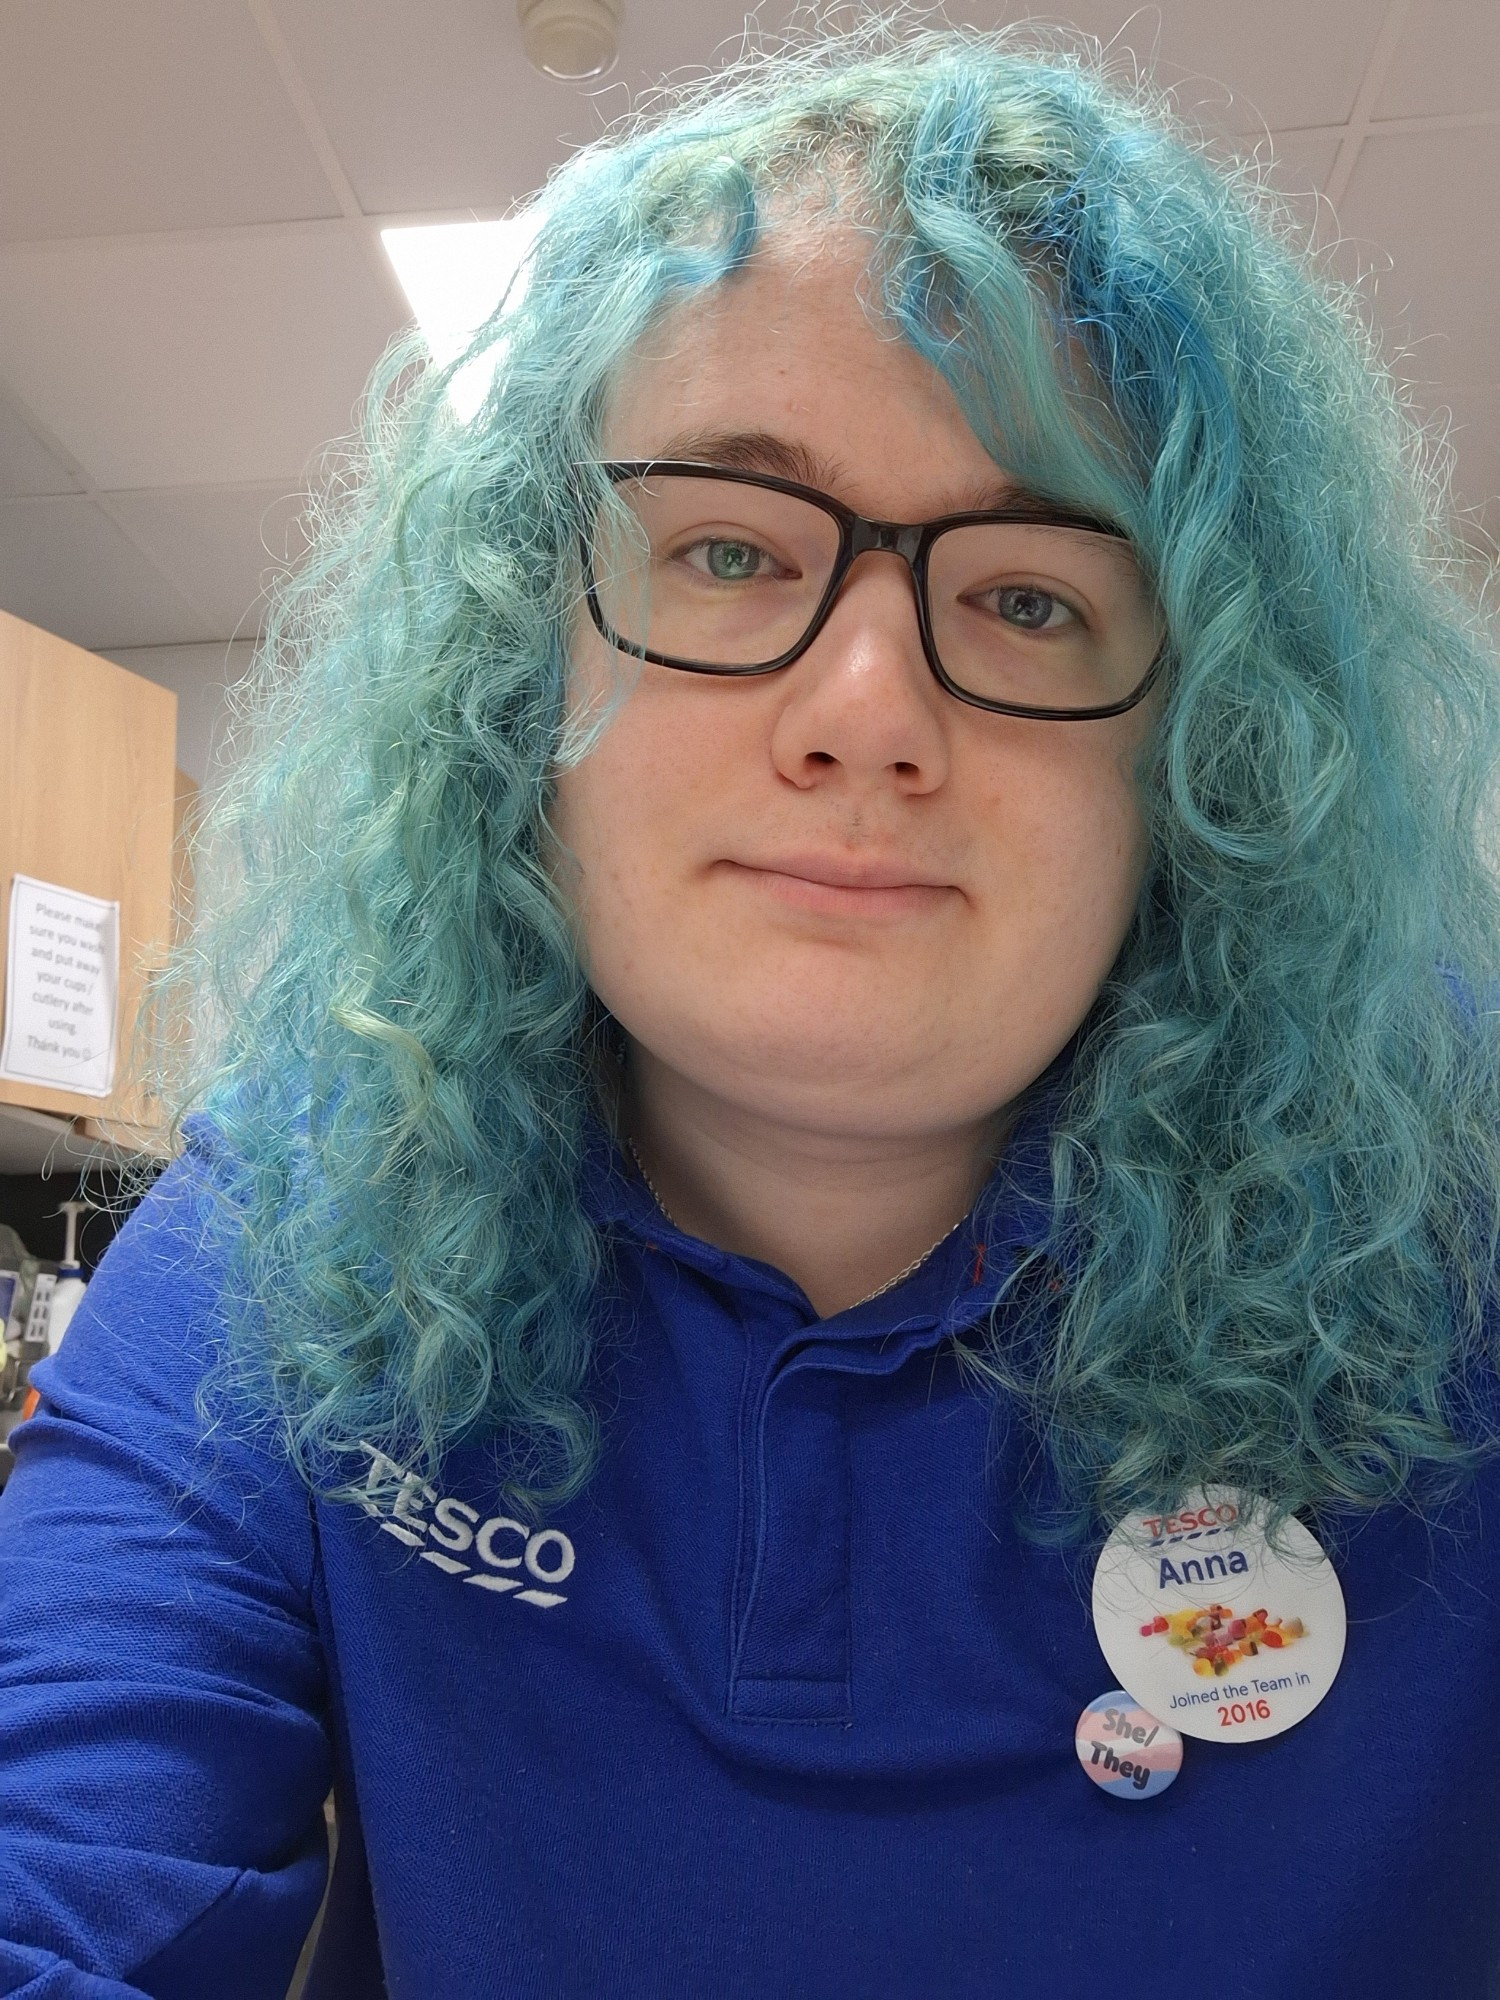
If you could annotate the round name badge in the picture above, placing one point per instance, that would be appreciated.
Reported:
(1207, 1627)
(1126, 1752)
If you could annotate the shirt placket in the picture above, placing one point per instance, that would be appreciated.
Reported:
(791, 1644)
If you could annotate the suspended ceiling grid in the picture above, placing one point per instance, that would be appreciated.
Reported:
(193, 289)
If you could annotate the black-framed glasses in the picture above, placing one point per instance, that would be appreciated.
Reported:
(1023, 610)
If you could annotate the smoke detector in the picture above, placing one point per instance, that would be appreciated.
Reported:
(574, 40)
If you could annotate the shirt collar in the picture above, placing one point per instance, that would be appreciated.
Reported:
(951, 1288)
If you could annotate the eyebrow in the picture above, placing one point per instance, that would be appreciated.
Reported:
(785, 458)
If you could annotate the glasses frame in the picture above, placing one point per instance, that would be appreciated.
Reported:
(858, 534)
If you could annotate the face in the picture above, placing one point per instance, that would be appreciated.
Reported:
(694, 844)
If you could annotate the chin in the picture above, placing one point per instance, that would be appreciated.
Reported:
(812, 1052)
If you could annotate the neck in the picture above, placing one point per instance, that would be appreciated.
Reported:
(842, 1213)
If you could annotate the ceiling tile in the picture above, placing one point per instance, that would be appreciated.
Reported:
(26, 465)
(1293, 166)
(1472, 420)
(1447, 61)
(1275, 65)
(1430, 266)
(1297, 163)
(221, 549)
(194, 361)
(163, 114)
(381, 70)
(65, 566)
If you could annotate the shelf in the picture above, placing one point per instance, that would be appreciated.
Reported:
(40, 1142)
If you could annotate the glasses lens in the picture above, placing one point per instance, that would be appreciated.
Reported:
(710, 571)
(713, 573)
(1045, 617)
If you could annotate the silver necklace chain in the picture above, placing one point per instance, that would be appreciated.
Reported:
(890, 1283)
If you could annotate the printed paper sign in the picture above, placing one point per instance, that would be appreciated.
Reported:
(62, 988)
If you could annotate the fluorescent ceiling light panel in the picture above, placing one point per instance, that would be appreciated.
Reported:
(455, 274)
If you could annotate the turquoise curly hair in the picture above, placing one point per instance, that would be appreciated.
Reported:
(1277, 1142)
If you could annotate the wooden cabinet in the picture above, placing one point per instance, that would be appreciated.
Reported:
(89, 799)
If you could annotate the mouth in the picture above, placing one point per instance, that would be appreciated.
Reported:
(837, 888)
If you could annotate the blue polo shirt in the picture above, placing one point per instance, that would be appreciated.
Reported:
(782, 1705)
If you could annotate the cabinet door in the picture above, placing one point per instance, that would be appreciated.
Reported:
(86, 801)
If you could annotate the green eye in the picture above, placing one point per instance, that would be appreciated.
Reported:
(729, 559)
(731, 562)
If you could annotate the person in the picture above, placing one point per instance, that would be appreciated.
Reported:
(859, 942)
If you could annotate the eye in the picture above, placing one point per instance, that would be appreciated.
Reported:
(730, 559)
(1029, 608)
(1025, 607)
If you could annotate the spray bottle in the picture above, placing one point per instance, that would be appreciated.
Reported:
(69, 1288)
(12, 1269)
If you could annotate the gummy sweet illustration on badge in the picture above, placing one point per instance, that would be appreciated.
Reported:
(1216, 1638)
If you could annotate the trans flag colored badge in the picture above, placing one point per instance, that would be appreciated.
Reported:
(1126, 1752)
(1212, 1630)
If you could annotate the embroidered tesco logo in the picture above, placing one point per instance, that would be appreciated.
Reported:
(458, 1530)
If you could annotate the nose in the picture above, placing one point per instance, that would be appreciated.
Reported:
(862, 699)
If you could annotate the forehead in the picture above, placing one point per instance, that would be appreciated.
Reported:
(793, 350)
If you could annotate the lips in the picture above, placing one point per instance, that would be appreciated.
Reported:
(844, 872)
(834, 886)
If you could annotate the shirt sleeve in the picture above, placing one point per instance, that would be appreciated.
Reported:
(164, 1751)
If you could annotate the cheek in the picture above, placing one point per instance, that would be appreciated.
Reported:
(595, 854)
(588, 794)
(623, 822)
(1071, 837)
(1108, 859)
